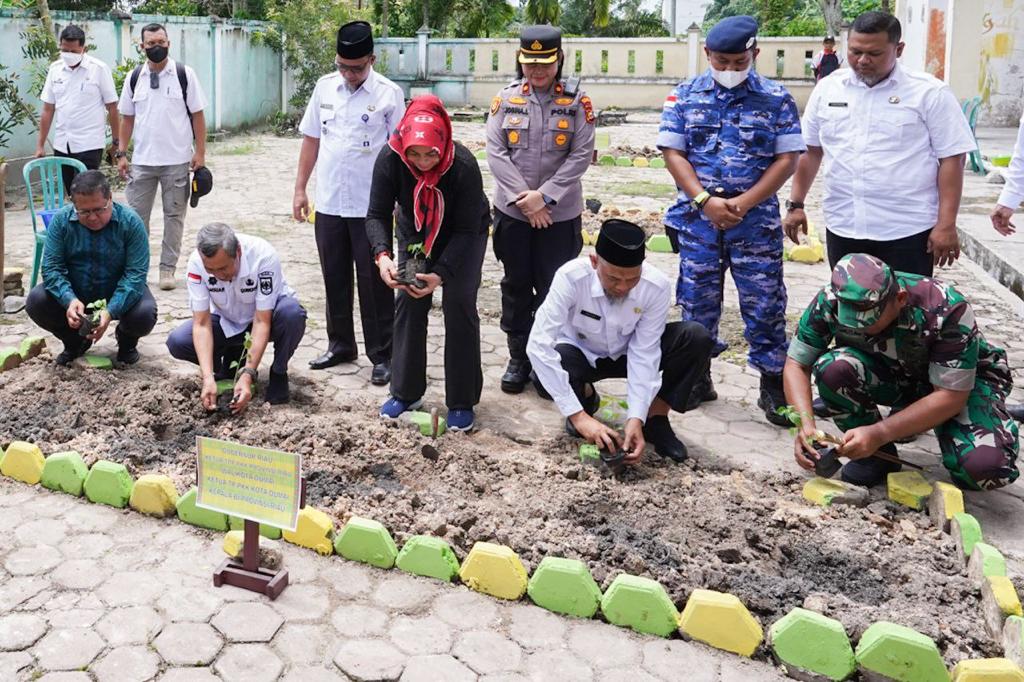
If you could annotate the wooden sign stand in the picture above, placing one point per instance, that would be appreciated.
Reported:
(247, 573)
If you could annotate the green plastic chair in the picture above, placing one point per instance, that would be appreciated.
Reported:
(971, 109)
(51, 183)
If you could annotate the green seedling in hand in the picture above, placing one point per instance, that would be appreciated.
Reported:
(97, 307)
(239, 364)
(797, 419)
(417, 250)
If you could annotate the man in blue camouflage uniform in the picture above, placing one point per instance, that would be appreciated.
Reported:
(731, 139)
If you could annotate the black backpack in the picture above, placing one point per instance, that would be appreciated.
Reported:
(829, 63)
(182, 81)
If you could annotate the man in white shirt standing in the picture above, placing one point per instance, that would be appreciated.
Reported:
(349, 118)
(77, 90)
(894, 143)
(162, 105)
(235, 287)
(1009, 201)
(605, 317)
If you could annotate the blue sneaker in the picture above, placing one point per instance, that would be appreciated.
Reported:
(460, 420)
(394, 407)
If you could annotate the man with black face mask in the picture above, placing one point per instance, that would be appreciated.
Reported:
(162, 105)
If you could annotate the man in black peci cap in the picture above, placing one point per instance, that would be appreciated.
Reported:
(605, 317)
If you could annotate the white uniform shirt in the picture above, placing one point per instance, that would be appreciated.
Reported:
(577, 311)
(163, 128)
(882, 147)
(1013, 192)
(352, 127)
(80, 96)
(257, 286)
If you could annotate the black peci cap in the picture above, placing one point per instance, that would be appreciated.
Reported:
(355, 40)
(621, 243)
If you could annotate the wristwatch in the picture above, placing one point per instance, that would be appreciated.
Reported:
(253, 374)
(120, 155)
(793, 205)
(698, 201)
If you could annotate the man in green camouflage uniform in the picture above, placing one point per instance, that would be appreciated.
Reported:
(909, 342)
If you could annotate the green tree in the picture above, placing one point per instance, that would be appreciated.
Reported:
(542, 11)
(627, 18)
(480, 18)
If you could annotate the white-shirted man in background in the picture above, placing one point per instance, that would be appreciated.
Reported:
(894, 143)
(349, 118)
(77, 90)
(163, 119)
(605, 317)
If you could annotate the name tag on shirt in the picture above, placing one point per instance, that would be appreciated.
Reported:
(587, 313)
(838, 104)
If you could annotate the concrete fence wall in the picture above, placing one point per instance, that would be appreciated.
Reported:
(242, 80)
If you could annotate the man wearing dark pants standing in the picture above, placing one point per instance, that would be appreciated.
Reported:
(348, 120)
(77, 90)
(895, 142)
(95, 249)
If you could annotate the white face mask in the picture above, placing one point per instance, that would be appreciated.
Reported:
(72, 59)
(730, 79)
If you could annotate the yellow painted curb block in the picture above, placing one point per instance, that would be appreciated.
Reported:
(987, 670)
(722, 621)
(1005, 595)
(234, 540)
(315, 531)
(909, 488)
(495, 570)
(641, 162)
(826, 491)
(945, 501)
(23, 462)
(155, 495)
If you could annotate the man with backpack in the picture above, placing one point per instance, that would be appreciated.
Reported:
(826, 61)
(161, 108)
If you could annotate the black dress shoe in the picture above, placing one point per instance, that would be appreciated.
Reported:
(127, 356)
(771, 398)
(703, 392)
(330, 359)
(72, 351)
(277, 389)
(870, 471)
(658, 432)
(1016, 411)
(381, 374)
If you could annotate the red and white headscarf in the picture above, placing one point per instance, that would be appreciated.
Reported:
(426, 123)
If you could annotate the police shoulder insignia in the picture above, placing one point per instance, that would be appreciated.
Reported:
(588, 108)
(495, 105)
(563, 101)
(559, 88)
(516, 100)
(526, 88)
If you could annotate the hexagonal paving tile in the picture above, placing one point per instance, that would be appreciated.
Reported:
(312, 674)
(348, 580)
(74, 618)
(248, 663)
(603, 646)
(14, 663)
(126, 664)
(42, 532)
(370, 659)
(464, 609)
(302, 602)
(356, 620)
(431, 668)
(189, 675)
(77, 676)
(86, 546)
(405, 593)
(20, 630)
(190, 605)
(130, 625)
(188, 644)
(665, 658)
(488, 652)
(557, 665)
(69, 649)
(248, 622)
(78, 574)
(131, 588)
(17, 591)
(535, 628)
(306, 645)
(421, 636)
(32, 560)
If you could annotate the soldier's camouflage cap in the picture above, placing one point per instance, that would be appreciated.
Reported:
(863, 286)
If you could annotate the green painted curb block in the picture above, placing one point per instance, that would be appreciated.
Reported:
(564, 586)
(992, 561)
(9, 358)
(813, 643)
(98, 361)
(269, 532)
(189, 513)
(606, 160)
(428, 556)
(366, 541)
(657, 162)
(900, 654)
(109, 483)
(640, 604)
(967, 528)
(31, 346)
(65, 472)
(423, 423)
(602, 140)
(225, 386)
(624, 162)
(480, 154)
(659, 243)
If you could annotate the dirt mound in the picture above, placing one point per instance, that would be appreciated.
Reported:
(632, 152)
(686, 526)
(651, 221)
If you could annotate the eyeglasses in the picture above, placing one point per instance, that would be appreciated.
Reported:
(89, 212)
(355, 70)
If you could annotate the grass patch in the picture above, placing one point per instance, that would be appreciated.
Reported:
(642, 188)
(241, 149)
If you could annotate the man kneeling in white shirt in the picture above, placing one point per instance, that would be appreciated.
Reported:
(605, 317)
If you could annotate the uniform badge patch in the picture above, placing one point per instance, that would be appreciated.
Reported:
(193, 277)
(562, 101)
(894, 100)
(588, 108)
(563, 124)
(266, 283)
(211, 280)
(513, 137)
(560, 139)
(495, 105)
(516, 100)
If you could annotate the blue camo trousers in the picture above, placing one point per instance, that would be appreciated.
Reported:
(753, 253)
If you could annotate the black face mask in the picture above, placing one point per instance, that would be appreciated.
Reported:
(156, 54)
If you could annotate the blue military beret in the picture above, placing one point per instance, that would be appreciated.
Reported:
(732, 35)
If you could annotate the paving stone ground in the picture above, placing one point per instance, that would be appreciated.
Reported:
(84, 587)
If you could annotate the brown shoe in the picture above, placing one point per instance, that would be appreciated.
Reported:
(167, 281)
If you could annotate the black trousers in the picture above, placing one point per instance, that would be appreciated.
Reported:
(531, 257)
(685, 356)
(91, 159)
(909, 254)
(47, 312)
(463, 375)
(340, 241)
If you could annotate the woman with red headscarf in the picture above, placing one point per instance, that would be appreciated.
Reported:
(443, 212)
